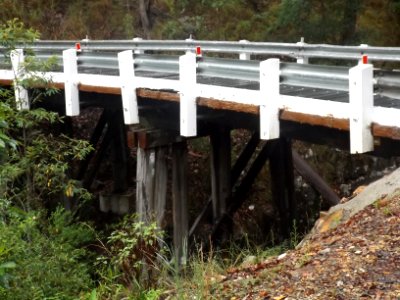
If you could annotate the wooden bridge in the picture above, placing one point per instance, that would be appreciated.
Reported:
(179, 90)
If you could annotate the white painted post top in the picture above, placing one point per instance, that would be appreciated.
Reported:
(70, 62)
(361, 108)
(269, 99)
(128, 87)
(188, 107)
(21, 94)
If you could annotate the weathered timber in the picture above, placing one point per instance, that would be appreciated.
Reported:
(94, 139)
(328, 121)
(314, 179)
(160, 184)
(386, 131)
(145, 165)
(121, 203)
(220, 170)
(241, 191)
(179, 201)
(156, 138)
(119, 151)
(318, 135)
(201, 101)
(243, 188)
(115, 136)
(228, 105)
(99, 89)
(151, 184)
(97, 159)
(282, 183)
(207, 210)
(237, 169)
(245, 157)
(157, 95)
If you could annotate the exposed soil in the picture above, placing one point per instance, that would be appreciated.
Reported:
(359, 259)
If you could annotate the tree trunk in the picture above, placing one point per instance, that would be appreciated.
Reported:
(144, 8)
(350, 21)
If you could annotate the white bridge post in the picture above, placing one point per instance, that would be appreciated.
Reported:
(128, 88)
(270, 99)
(361, 107)
(188, 109)
(70, 61)
(21, 94)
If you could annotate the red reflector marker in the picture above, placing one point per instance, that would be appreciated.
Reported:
(78, 46)
(365, 59)
(198, 51)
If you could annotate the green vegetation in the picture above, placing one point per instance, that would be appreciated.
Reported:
(41, 252)
(43, 258)
(134, 257)
(372, 22)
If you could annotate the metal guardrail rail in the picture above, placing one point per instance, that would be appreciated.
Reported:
(101, 55)
(294, 50)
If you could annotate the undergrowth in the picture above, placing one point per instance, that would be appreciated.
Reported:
(137, 264)
(46, 257)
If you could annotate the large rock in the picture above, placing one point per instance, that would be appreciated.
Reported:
(386, 186)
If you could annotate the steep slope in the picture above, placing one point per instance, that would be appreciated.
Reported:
(353, 253)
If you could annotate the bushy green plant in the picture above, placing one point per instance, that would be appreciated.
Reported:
(35, 159)
(48, 253)
(14, 32)
(41, 257)
(5, 267)
(134, 258)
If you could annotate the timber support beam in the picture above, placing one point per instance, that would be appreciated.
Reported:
(220, 171)
(180, 202)
(282, 183)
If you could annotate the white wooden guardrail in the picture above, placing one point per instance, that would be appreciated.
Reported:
(360, 111)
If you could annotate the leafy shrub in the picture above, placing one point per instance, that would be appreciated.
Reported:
(35, 160)
(48, 255)
(40, 257)
(134, 259)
